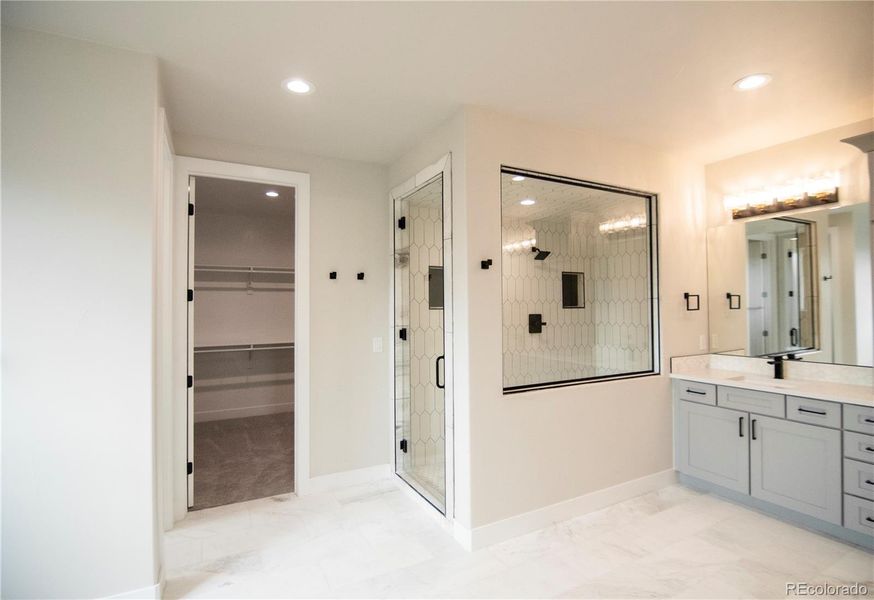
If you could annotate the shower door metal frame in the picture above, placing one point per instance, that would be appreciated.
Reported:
(441, 167)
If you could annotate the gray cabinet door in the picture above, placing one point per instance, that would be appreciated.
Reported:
(797, 466)
(712, 445)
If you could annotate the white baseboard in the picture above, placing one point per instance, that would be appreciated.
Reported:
(334, 481)
(152, 592)
(486, 535)
(243, 411)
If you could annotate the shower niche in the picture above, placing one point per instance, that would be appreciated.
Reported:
(579, 281)
(422, 322)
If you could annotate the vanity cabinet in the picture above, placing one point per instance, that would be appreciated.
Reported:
(797, 466)
(712, 445)
(812, 457)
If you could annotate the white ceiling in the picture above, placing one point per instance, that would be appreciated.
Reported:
(232, 196)
(658, 73)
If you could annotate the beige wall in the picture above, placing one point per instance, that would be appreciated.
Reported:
(350, 407)
(525, 451)
(78, 186)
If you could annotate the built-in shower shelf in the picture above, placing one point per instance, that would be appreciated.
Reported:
(243, 347)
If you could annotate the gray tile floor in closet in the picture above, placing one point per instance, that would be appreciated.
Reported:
(243, 459)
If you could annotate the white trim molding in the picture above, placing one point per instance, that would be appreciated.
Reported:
(185, 167)
(152, 592)
(486, 535)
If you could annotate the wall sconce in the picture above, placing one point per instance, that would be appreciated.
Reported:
(626, 223)
(799, 193)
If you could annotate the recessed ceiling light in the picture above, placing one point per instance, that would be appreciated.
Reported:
(297, 85)
(528, 202)
(518, 178)
(271, 194)
(752, 82)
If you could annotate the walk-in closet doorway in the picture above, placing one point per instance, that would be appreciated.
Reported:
(241, 425)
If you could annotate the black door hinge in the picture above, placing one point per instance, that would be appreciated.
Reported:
(190, 295)
(789, 254)
(402, 223)
(190, 468)
(403, 333)
(190, 209)
(403, 445)
(190, 381)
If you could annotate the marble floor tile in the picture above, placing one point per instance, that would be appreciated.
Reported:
(376, 541)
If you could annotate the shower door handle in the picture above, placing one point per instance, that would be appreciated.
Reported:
(437, 371)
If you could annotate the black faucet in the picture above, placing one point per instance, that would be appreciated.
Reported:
(777, 361)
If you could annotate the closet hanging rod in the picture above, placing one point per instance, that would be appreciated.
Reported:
(239, 269)
(243, 347)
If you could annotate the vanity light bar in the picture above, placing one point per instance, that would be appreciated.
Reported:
(799, 193)
(523, 245)
(625, 223)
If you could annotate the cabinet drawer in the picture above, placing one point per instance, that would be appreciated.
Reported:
(692, 391)
(815, 412)
(859, 514)
(859, 418)
(761, 403)
(859, 478)
(859, 446)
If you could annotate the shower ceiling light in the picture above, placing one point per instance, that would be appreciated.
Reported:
(528, 202)
(518, 178)
(297, 85)
(752, 82)
(271, 194)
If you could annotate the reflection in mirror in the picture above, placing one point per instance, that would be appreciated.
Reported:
(780, 267)
(805, 286)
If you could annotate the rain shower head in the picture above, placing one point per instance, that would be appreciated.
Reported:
(541, 254)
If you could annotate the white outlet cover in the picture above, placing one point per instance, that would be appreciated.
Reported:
(377, 344)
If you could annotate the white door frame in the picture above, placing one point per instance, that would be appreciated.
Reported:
(442, 166)
(186, 167)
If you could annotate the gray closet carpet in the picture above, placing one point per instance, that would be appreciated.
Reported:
(243, 459)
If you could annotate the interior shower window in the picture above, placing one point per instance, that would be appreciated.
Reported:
(581, 245)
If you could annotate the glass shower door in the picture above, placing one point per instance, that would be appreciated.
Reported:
(420, 450)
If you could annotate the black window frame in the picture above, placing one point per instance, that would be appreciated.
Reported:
(653, 269)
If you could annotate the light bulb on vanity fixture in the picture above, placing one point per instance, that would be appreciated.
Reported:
(797, 193)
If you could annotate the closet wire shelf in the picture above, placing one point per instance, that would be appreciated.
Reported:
(240, 269)
(250, 279)
(243, 347)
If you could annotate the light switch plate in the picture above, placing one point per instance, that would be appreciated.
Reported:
(377, 344)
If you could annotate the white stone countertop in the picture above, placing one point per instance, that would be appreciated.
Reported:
(862, 395)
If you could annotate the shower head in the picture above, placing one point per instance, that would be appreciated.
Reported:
(541, 254)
